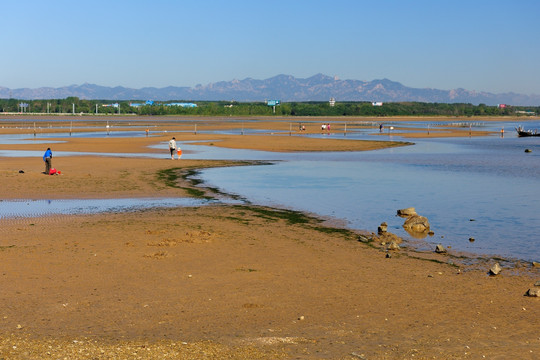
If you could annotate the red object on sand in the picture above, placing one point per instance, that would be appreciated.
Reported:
(52, 171)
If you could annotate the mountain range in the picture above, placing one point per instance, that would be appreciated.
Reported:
(285, 88)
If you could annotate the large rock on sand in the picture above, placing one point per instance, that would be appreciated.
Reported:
(416, 223)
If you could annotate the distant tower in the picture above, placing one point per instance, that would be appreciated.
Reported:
(332, 102)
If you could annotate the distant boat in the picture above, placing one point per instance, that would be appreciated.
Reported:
(524, 133)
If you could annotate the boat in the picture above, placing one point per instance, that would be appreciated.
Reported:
(523, 133)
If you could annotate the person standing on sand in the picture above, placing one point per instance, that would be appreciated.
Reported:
(47, 157)
(172, 147)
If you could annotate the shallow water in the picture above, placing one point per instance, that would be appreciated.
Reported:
(489, 180)
(10, 209)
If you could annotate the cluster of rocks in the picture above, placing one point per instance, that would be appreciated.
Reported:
(383, 238)
(414, 224)
(419, 225)
(387, 239)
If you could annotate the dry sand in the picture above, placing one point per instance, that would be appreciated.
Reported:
(230, 282)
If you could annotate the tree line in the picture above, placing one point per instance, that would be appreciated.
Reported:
(74, 105)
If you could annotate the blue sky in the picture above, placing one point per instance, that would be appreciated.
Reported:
(483, 45)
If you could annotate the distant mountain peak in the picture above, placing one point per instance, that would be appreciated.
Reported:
(287, 88)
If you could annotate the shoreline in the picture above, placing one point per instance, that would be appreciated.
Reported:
(181, 179)
(231, 281)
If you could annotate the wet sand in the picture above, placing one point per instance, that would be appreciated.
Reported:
(224, 281)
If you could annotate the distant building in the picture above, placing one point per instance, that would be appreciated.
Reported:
(332, 102)
(378, 103)
(147, 103)
(528, 112)
(501, 106)
(188, 105)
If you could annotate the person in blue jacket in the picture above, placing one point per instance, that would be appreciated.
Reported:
(47, 157)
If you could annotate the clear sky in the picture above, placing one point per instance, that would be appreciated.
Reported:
(483, 45)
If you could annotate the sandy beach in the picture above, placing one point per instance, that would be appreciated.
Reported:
(230, 281)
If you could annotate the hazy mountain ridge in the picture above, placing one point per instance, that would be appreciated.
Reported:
(286, 88)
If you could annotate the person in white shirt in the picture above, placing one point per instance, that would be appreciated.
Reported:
(172, 147)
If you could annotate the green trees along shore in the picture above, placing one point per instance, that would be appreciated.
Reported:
(74, 105)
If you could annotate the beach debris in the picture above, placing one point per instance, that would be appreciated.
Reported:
(533, 292)
(382, 228)
(388, 255)
(407, 212)
(21, 171)
(537, 283)
(301, 318)
(495, 269)
(393, 246)
(440, 249)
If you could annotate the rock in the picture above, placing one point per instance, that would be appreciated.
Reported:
(537, 283)
(495, 269)
(471, 239)
(431, 233)
(533, 292)
(407, 212)
(360, 356)
(440, 249)
(364, 239)
(535, 264)
(382, 228)
(528, 150)
(416, 223)
(393, 246)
